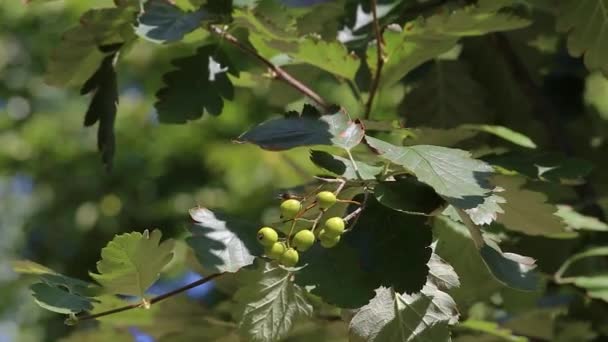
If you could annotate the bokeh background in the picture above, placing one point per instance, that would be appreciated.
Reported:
(59, 206)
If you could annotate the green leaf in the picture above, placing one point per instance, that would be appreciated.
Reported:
(391, 316)
(77, 55)
(102, 84)
(511, 269)
(424, 39)
(381, 236)
(408, 196)
(57, 292)
(162, 22)
(54, 279)
(447, 97)
(586, 23)
(132, 262)
(285, 133)
(270, 302)
(60, 299)
(332, 57)
(455, 246)
(526, 211)
(333, 275)
(199, 84)
(343, 167)
(491, 328)
(222, 244)
(504, 133)
(595, 284)
(460, 179)
(577, 221)
(551, 167)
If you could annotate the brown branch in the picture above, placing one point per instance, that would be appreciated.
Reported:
(379, 63)
(277, 71)
(151, 301)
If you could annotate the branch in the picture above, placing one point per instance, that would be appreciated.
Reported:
(379, 63)
(151, 301)
(276, 70)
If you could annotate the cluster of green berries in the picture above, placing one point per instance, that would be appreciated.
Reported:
(286, 251)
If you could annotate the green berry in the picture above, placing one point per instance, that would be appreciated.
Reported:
(267, 236)
(334, 226)
(290, 208)
(276, 250)
(303, 240)
(326, 199)
(290, 258)
(328, 241)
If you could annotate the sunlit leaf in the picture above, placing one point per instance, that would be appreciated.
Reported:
(132, 262)
(460, 179)
(586, 23)
(222, 244)
(392, 316)
(271, 302)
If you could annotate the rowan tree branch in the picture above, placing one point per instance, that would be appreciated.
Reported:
(380, 59)
(277, 71)
(151, 301)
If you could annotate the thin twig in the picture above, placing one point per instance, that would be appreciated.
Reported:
(276, 70)
(379, 63)
(352, 160)
(153, 300)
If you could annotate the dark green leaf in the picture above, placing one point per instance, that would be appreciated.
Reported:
(586, 23)
(103, 105)
(59, 299)
(511, 269)
(199, 84)
(596, 284)
(285, 133)
(343, 167)
(336, 276)
(222, 244)
(270, 302)
(446, 98)
(381, 236)
(162, 22)
(409, 196)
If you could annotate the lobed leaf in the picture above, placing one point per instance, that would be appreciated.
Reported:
(222, 244)
(424, 39)
(270, 302)
(161, 21)
(199, 84)
(423, 316)
(460, 179)
(132, 262)
(586, 23)
(526, 211)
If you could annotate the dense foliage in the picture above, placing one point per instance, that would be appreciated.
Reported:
(330, 170)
